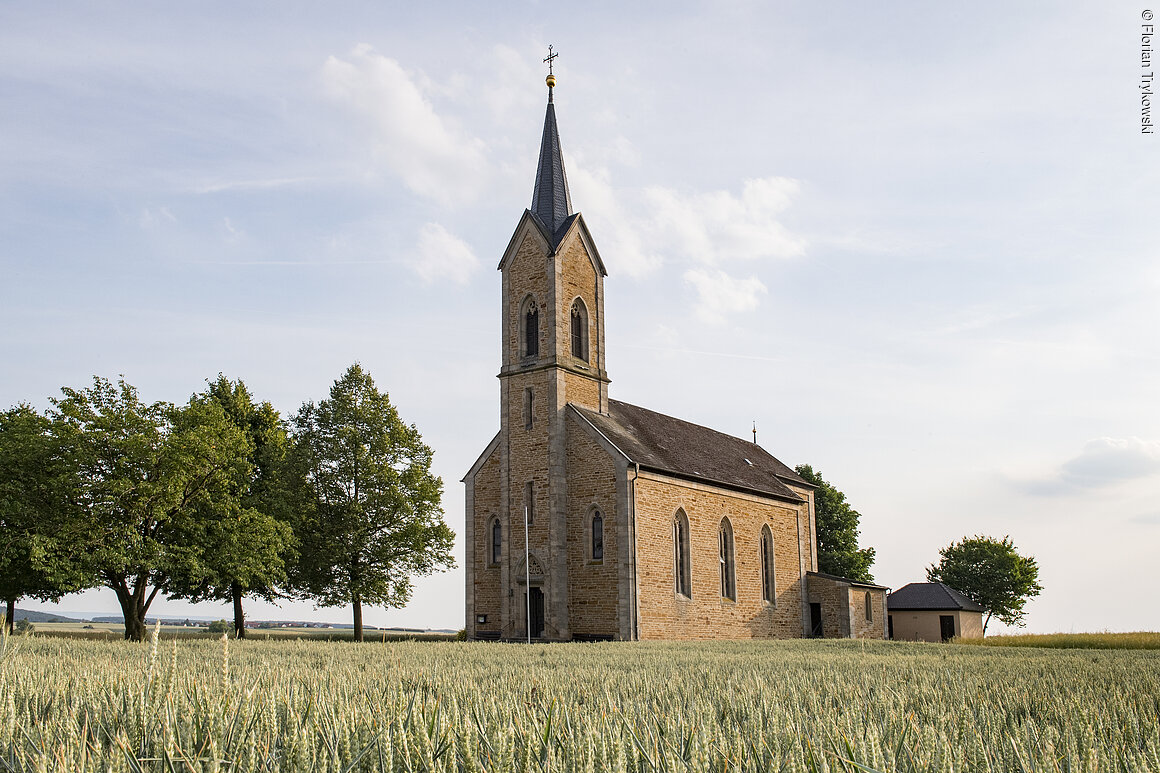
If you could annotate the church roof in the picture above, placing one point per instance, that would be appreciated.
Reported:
(666, 444)
(930, 595)
(551, 203)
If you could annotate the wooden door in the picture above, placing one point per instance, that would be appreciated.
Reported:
(537, 612)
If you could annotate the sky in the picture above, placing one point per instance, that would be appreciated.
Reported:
(914, 242)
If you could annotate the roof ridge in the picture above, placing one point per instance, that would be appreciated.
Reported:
(686, 421)
(733, 438)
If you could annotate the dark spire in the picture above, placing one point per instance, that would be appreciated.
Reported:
(550, 200)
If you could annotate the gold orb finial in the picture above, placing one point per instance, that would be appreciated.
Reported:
(551, 79)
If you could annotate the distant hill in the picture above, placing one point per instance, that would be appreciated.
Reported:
(33, 616)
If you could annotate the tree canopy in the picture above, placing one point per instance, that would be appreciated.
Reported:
(38, 551)
(990, 572)
(244, 538)
(144, 473)
(372, 518)
(837, 526)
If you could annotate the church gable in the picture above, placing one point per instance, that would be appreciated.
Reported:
(528, 227)
(528, 294)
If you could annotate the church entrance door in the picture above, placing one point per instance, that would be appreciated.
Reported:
(537, 612)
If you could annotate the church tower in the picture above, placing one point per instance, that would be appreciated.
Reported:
(589, 518)
(552, 355)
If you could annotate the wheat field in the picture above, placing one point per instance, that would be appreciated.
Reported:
(414, 706)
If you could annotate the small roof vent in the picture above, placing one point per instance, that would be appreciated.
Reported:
(749, 462)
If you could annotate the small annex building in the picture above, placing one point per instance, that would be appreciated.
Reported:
(841, 608)
(932, 611)
(588, 518)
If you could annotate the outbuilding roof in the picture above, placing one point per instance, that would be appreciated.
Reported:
(680, 448)
(930, 595)
(847, 580)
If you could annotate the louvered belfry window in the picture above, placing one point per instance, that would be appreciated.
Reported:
(579, 331)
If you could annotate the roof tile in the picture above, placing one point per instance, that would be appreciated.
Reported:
(667, 444)
(930, 595)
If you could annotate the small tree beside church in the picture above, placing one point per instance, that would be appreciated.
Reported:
(837, 525)
(371, 517)
(991, 573)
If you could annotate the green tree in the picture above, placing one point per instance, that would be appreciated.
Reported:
(244, 538)
(372, 520)
(837, 525)
(145, 472)
(38, 556)
(990, 572)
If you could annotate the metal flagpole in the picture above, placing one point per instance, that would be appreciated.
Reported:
(527, 573)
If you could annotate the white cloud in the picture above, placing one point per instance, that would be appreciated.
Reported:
(648, 227)
(155, 217)
(622, 231)
(251, 185)
(503, 85)
(442, 255)
(431, 156)
(719, 294)
(1109, 460)
(1102, 462)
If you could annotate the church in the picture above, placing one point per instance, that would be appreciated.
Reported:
(591, 519)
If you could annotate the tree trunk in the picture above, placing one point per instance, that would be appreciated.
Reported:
(10, 615)
(133, 608)
(134, 620)
(358, 631)
(239, 613)
(987, 620)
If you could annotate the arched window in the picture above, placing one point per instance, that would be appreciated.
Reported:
(531, 322)
(869, 607)
(768, 589)
(725, 543)
(579, 330)
(529, 408)
(496, 542)
(682, 566)
(597, 536)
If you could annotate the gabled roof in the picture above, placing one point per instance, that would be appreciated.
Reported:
(680, 448)
(550, 200)
(930, 595)
(554, 240)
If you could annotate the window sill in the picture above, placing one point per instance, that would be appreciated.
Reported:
(596, 562)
